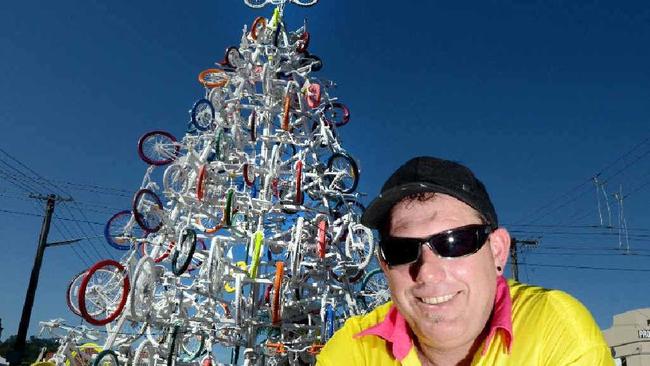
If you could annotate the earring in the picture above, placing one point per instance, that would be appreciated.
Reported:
(498, 268)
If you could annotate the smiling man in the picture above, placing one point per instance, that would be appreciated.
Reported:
(443, 253)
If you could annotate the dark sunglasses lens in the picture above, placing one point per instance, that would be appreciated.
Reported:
(459, 243)
(398, 251)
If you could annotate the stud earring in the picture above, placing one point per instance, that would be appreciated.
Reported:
(498, 268)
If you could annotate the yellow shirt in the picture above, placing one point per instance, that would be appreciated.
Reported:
(549, 327)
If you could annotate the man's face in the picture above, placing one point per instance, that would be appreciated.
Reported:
(446, 301)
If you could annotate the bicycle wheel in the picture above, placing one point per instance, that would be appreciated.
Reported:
(158, 148)
(322, 237)
(248, 172)
(148, 210)
(145, 354)
(200, 182)
(72, 293)
(216, 267)
(228, 210)
(233, 58)
(191, 347)
(313, 95)
(175, 179)
(103, 291)
(359, 245)
(259, 24)
(374, 289)
(144, 283)
(298, 199)
(277, 291)
(304, 3)
(342, 173)
(173, 346)
(183, 252)
(106, 358)
(311, 60)
(328, 323)
(202, 114)
(252, 124)
(286, 110)
(258, 241)
(213, 78)
(115, 231)
(303, 42)
(337, 114)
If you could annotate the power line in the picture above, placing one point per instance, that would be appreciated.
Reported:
(532, 217)
(58, 218)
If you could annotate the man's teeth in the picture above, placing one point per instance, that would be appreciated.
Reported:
(437, 299)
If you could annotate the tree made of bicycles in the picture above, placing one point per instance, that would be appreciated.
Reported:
(251, 237)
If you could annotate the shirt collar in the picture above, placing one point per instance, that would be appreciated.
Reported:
(396, 331)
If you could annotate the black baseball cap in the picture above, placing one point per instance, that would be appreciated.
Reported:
(429, 174)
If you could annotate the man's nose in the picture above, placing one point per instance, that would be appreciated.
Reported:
(430, 268)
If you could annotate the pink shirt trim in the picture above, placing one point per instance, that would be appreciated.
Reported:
(394, 329)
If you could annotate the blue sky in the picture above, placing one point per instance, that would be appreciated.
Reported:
(536, 97)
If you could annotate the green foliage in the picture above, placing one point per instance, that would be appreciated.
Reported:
(32, 348)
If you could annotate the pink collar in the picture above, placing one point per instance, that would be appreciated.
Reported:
(396, 331)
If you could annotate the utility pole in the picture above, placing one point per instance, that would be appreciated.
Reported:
(16, 356)
(514, 264)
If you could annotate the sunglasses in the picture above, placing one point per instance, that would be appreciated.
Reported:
(453, 243)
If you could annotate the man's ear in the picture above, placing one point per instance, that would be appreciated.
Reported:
(500, 245)
(380, 259)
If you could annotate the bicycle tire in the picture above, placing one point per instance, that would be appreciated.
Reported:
(175, 179)
(112, 225)
(303, 42)
(173, 347)
(187, 246)
(360, 251)
(213, 78)
(286, 112)
(256, 4)
(140, 218)
(247, 172)
(73, 290)
(202, 114)
(304, 3)
(350, 166)
(144, 354)
(258, 241)
(142, 292)
(122, 298)
(259, 22)
(153, 148)
(322, 237)
(298, 199)
(315, 63)
(371, 276)
(227, 211)
(313, 95)
(328, 322)
(277, 290)
(337, 114)
(200, 182)
(106, 357)
(252, 125)
(188, 353)
(215, 267)
(233, 58)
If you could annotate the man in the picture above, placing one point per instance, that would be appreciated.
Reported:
(443, 254)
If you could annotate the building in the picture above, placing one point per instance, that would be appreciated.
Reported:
(629, 338)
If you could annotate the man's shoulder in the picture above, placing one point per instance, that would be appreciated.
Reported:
(550, 311)
(544, 300)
